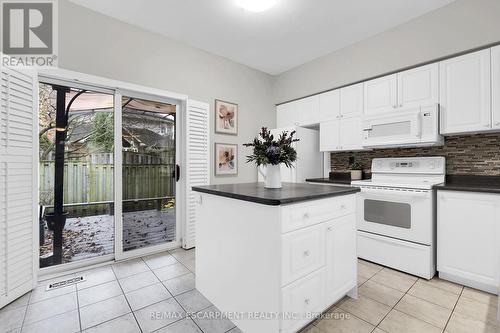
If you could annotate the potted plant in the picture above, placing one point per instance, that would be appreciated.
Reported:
(269, 152)
(356, 168)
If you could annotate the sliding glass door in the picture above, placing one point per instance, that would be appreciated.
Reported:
(148, 174)
(107, 174)
(76, 166)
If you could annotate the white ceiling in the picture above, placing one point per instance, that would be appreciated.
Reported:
(290, 34)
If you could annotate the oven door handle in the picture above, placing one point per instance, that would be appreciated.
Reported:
(403, 193)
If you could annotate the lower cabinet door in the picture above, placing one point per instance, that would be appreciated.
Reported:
(302, 301)
(303, 252)
(468, 238)
(341, 268)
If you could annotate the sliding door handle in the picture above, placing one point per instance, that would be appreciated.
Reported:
(177, 172)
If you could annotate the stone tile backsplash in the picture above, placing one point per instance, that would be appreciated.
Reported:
(477, 154)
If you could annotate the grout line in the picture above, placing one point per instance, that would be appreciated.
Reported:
(52, 316)
(393, 308)
(78, 309)
(453, 311)
(26, 310)
(126, 300)
(174, 297)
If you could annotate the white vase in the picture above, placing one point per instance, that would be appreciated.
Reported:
(271, 175)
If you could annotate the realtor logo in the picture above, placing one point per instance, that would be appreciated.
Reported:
(29, 32)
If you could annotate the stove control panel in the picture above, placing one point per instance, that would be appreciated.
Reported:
(418, 165)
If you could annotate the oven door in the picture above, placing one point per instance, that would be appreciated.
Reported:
(404, 214)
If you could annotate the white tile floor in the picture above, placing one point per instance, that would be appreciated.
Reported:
(121, 297)
(141, 295)
(393, 302)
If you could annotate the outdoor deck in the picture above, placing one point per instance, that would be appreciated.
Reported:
(92, 236)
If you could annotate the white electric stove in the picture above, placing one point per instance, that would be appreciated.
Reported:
(396, 213)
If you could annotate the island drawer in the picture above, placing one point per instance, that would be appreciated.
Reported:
(303, 298)
(303, 252)
(297, 216)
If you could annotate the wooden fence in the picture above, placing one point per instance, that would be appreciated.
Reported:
(87, 182)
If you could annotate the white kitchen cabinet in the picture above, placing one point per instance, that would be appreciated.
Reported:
(351, 134)
(341, 135)
(303, 253)
(303, 297)
(303, 112)
(351, 101)
(411, 88)
(329, 139)
(329, 105)
(297, 258)
(465, 93)
(341, 269)
(346, 102)
(380, 95)
(468, 238)
(285, 115)
(495, 87)
(418, 86)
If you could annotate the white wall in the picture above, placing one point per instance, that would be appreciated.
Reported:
(95, 44)
(460, 26)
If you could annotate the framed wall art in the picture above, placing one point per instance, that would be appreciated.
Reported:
(226, 159)
(226, 117)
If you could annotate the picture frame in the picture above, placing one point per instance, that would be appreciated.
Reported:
(226, 117)
(226, 159)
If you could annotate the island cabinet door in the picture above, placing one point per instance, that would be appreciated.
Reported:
(340, 257)
(303, 252)
(301, 300)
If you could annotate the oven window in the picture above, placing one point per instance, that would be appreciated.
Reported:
(395, 214)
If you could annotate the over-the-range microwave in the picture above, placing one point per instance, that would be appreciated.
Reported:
(414, 127)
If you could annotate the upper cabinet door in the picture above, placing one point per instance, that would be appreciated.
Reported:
(285, 115)
(381, 95)
(351, 101)
(418, 86)
(329, 135)
(351, 134)
(329, 105)
(465, 93)
(303, 112)
(307, 111)
(495, 86)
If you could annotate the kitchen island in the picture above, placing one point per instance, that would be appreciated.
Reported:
(272, 259)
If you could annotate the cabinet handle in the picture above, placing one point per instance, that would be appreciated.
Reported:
(497, 124)
(307, 301)
(329, 229)
(400, 105)
(306, 253)
(342, 206)
(306, 215)
(394, 106)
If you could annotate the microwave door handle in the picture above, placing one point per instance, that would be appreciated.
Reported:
(418, 124)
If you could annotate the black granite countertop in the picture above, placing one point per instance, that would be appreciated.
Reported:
(289, 193)
(471, 183)
(337, 177)
(329, 181)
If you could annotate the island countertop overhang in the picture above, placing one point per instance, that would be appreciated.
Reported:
(289, 193)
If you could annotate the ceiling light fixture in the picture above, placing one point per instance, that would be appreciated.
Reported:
(256, 5)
